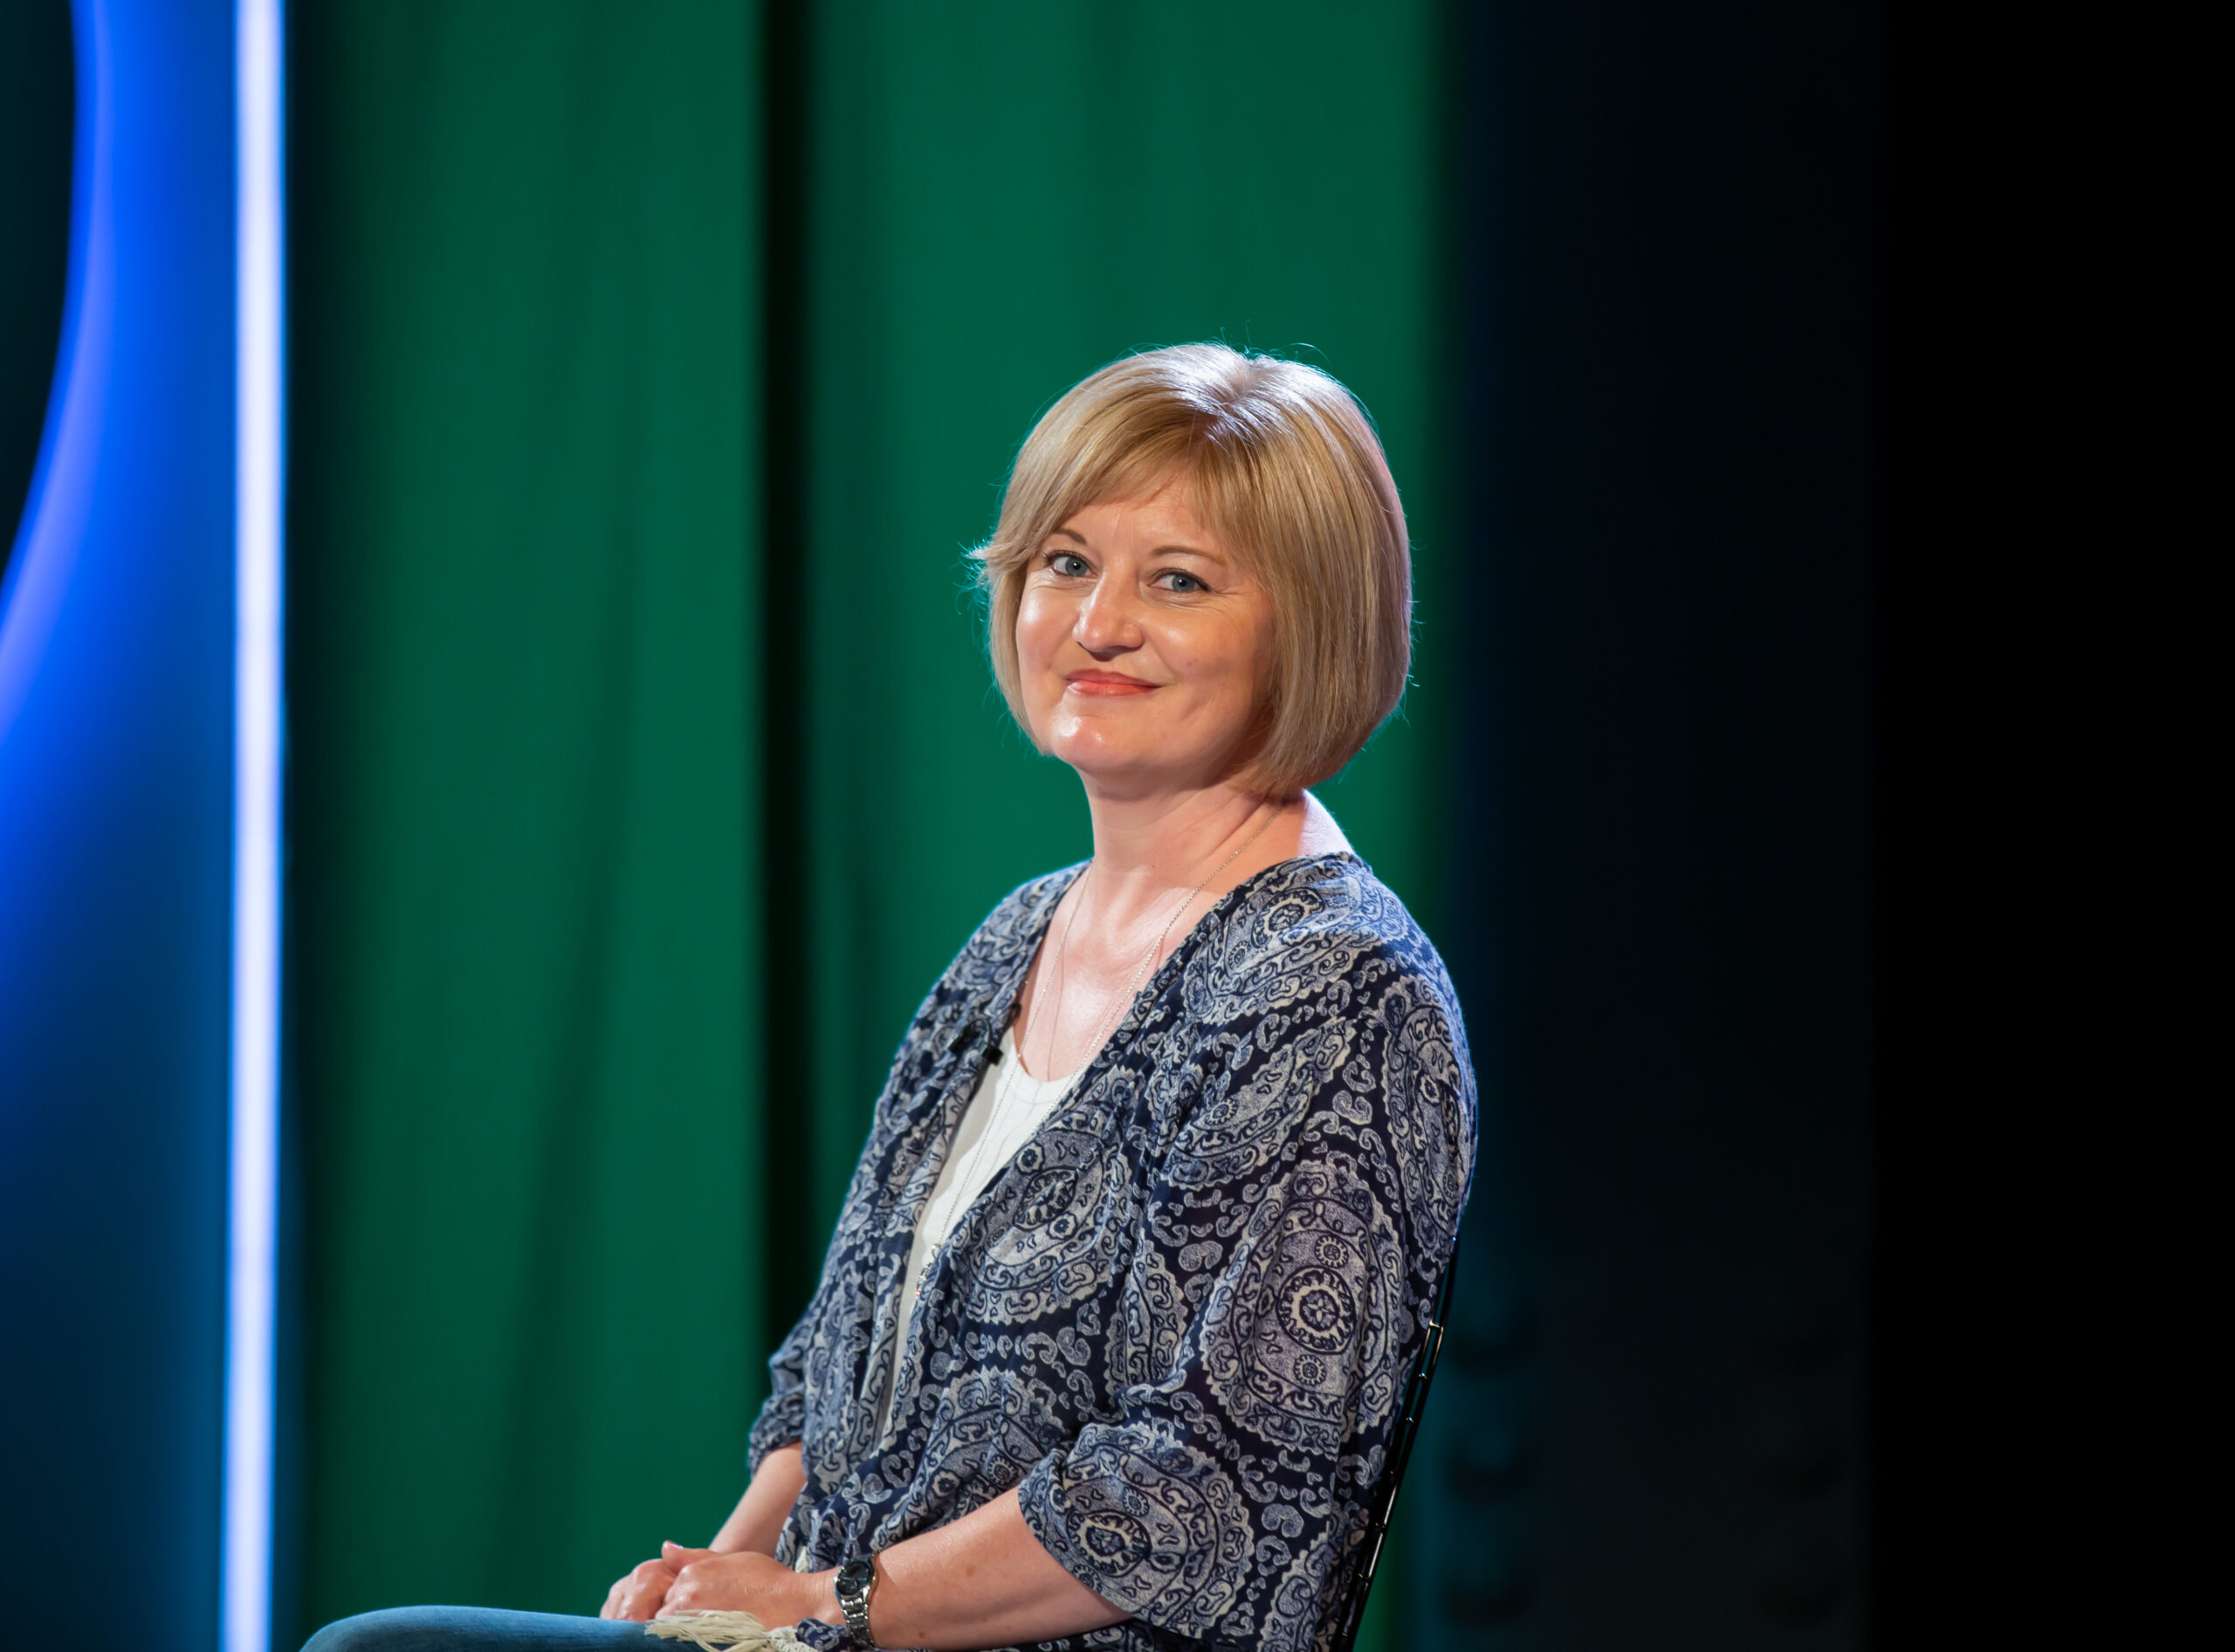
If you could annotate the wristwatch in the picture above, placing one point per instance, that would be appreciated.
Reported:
(856, 1579)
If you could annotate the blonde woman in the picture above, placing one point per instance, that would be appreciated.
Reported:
(1113, 1330)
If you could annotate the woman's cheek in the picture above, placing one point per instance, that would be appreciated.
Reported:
(1041, 690)
(1039, 631)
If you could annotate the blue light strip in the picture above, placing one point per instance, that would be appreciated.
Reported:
(252, 1248)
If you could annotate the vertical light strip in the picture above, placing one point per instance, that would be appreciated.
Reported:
(252, 1247)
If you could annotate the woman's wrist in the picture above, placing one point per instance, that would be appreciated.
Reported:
(819, 1598)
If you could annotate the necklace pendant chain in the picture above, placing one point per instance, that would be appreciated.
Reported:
(1140, 974)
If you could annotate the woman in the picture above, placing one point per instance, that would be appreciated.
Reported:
(1113, 1331)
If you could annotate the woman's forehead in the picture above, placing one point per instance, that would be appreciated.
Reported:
(1168, 504)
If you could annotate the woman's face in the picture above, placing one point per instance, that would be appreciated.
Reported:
(1141, 646)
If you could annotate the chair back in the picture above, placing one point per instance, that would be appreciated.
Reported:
(1384, 1501)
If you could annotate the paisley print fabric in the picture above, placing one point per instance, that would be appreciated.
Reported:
(1179, 1322)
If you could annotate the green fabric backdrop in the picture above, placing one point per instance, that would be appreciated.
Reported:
(527, 982)
(559, 1186)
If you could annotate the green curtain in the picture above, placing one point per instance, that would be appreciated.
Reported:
(637, 804)
(526, 985)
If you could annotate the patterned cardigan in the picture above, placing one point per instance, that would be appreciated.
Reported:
(1179, 1321)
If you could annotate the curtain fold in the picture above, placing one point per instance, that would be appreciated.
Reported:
(524, 590)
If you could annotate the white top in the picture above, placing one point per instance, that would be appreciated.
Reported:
(1008, 1105)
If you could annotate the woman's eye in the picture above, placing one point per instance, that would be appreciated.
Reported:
(1069, 565)
(1174, 580)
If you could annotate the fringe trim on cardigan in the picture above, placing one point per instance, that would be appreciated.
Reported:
(724, 1632)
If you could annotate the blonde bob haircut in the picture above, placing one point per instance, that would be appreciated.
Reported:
(1287, 471)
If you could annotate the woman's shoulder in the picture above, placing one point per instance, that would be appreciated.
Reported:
(1319, 984)
(1308, 923)
(1327, 903)
(1015, 924)
(1023, 912)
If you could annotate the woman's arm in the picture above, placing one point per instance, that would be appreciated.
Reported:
(980, 1581)
(757, 1520)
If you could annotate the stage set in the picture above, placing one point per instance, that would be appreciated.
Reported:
(486, 491)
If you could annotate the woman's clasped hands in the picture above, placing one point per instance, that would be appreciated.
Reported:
(684, 1579)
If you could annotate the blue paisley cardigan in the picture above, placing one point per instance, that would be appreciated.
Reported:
(1179, 1322)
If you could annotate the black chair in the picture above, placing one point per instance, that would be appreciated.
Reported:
(1400, 1453)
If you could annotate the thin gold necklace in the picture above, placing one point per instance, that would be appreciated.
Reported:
(966, 1171)
(1140, 974)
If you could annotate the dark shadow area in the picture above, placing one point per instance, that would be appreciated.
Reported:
(793, 1246)
(37, 102)
(1651, 1428)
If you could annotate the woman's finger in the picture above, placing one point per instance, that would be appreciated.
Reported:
(617, 1594)
(648, 1586)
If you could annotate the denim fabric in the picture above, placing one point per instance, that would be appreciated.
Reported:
(476, 1628)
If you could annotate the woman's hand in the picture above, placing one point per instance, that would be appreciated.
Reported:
(636, 1597)
(707, 1580)
(756, 1525)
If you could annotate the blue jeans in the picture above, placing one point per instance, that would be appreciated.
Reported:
(476, 1628)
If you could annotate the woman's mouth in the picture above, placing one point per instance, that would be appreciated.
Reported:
(1106, 684)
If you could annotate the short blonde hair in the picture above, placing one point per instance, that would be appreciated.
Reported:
(1287, 470)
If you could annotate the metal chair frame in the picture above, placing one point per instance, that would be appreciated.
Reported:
(1384, 1502)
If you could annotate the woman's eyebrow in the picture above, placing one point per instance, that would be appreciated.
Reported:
(1078, 538)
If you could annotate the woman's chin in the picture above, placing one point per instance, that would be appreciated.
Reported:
(1133, 772)
(1103, 770)
(1098, 759)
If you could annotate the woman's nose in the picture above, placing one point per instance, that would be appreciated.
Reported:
(1109, 622)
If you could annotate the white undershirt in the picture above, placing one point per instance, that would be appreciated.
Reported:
(1008, 1105)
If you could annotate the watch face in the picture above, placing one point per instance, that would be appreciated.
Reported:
(856, 1576)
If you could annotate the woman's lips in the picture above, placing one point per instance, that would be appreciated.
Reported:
(1106, 684)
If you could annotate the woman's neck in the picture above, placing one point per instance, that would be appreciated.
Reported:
(1145, 847)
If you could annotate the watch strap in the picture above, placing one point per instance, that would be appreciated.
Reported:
(854, 1580)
